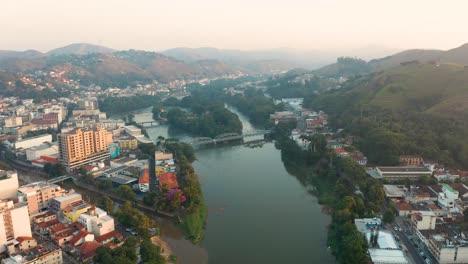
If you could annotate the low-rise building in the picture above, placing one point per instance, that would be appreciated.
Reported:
(97, 221)
(125, 161)
(59, 203)
(38, 195)
(33, 141)
(424, 220)
(46, 253)
(386, 249)
(398, 173)
(45, 149)
(409, 160)
(72, 212)
(127, 142)
(447, 197)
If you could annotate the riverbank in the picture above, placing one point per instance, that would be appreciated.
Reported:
(343, 187)
(194, 223)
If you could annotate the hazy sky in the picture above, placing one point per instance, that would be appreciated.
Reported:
(242, 24)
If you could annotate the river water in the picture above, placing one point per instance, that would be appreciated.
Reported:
(257, 212)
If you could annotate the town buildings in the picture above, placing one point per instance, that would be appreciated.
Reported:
(39, 195)
(14, 222)
(80, 147)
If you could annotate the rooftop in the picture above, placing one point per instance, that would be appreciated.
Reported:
(66, 198)
(395, 190)
(403, 169)
(117, 169)
(122, 179)
(387, 256)
(448, 188)
(385, 240)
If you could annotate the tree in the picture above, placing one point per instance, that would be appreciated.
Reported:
(126, 192)
(107, 204)
(388, 216)
(104, 184)
(150, 253)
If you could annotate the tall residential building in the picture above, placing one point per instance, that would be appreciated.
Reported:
(14, 222)
(80, 147)
(88, 104)
(38, 195)
(8, 184)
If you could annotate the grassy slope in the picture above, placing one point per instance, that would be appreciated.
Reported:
(194, 223)
(420, 87)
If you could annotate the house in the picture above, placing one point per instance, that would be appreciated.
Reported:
(358, 157)
(447, 197)
(80, 238)
(404, 208)
(110, 237)
(461, 188)
(445, 176)
(424, 220)
(88, 250)
(341, 152)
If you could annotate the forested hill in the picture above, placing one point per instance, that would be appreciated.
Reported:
(346, 66)
(410, 109)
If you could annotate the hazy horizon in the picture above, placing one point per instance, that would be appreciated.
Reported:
(245, 25)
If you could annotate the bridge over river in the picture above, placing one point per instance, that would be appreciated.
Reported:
(198, 141)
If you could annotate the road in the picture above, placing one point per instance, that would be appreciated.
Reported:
(406, 236)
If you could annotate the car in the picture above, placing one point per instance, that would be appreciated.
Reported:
(395, 228)
(134, 233)
(128, 229)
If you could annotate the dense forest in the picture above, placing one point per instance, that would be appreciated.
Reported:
(205, 119)
(256, 106)
(115, 105)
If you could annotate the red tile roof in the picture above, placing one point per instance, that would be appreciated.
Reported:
(145, 177)
(47, 224)
(78, 237)
(88, 249)
(169, 179)
(43, 122)
(109, 235)
(460, 187)
(21, 239)
(340, 151)
(403, 206)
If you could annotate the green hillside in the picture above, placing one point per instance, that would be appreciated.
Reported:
(410, 109)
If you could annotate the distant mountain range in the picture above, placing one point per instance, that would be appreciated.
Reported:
(457, 55)
(80, 49)
(101, 65)
(97, 64)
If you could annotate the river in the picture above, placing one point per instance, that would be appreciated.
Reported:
(257, 212)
